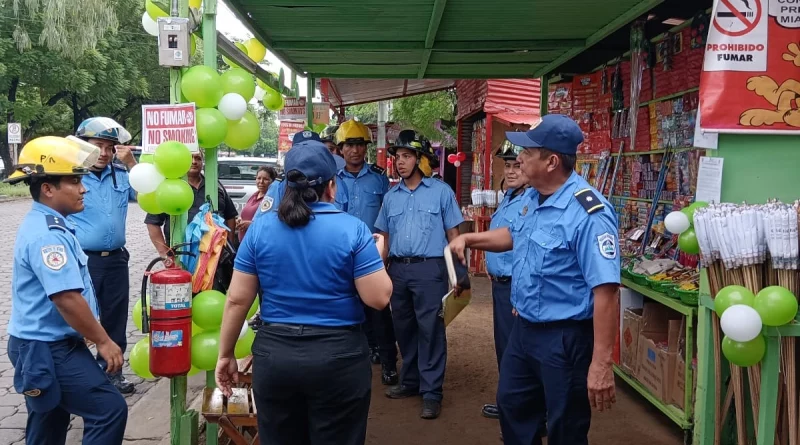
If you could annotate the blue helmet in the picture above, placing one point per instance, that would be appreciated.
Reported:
(103, 128)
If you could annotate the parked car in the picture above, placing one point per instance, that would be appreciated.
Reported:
(238, 176)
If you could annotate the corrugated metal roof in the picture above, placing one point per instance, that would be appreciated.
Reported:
(418, 39)
(358, 91)
(508, 96)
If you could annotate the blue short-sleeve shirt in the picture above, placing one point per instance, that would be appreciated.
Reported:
(417, 220)
(307, 274)
(47, 260)
(366, 190)
(101, 225)
(499, 264)
(562, 251)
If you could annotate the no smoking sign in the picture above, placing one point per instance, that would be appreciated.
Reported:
(736, 18)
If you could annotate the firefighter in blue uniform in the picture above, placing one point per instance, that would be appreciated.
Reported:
(498, 265)
(328, 137)
(100, 228)
(367, 185)
(419, 216)
(54, 307)
(278, 188)
(565, 290)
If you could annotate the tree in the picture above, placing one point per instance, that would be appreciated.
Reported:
(366, 113)
(422, 112)
(67, 27)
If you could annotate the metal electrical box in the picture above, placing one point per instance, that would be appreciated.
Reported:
(173, 41)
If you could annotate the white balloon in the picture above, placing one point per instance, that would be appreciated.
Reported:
(260, 93)
(677, 222)
(243, 332)
(741, 323)
(145, 178)
(232, 106)
(457, 163)
(150, 26)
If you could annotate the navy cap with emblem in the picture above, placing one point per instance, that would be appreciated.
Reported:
(35, 377)
(313, 160)
(303, 136)
(554, 132)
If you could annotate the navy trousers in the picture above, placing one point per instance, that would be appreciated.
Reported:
(111, 283)
(380, 334)
(312, 385)
(416, 302)
(546, 362)
(85, 392)
(503, 318)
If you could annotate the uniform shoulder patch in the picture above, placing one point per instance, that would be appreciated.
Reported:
(377, 169)
(590, 202)
(607, 243)
(54, 256)
(266, 204)
(56, 223)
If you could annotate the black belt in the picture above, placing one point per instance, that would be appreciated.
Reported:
(413, 259)
(104, 253)
(558, 323)
(301, 327)
(503, 279)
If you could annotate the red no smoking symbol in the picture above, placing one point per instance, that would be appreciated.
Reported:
(736, 22)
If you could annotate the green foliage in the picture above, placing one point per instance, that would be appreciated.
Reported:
(50, 92)
(15, 190)
(366, 113)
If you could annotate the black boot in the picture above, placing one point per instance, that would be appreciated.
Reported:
(389, 375)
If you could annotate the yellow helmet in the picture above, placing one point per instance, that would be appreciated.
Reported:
(353, 131)
(54, 156)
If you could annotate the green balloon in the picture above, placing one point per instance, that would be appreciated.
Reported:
(146, 159)
(744, 353)
(253, 309)
(196, 329)
(698, 205)
(147, 201)
(776, 305)
(207, 308)
(139, 359)
(174, 197)
(136, 314)
(202, 85)
(205, 350)
(193, 371)
(172, 159)
(689, 212)
(730, 295)
(243, 133)
(273, 100)
(244, 346)
(239, 81)
(687, 241)
(212, 127)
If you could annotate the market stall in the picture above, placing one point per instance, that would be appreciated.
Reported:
(713, 123)
(486, 110)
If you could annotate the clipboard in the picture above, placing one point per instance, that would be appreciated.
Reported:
(452, 305)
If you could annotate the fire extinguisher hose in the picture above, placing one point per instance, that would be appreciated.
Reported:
(145, 279)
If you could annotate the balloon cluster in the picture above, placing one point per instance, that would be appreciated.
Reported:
(682, 223)
(457, 158)
(742, 316)
(207, 308)
(157, 179)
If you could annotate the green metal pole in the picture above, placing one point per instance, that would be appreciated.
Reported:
(177, 385)
(770, 381)
(210, 170)
(309, 102)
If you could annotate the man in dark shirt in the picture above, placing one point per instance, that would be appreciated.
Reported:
(161, 238)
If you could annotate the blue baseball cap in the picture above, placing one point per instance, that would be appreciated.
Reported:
(313, 160)
(35, 377)
(305, 135)
(554, 132)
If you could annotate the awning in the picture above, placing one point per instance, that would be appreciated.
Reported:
(515, 118)
(358, 91)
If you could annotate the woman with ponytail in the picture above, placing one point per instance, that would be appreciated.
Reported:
(314, 265)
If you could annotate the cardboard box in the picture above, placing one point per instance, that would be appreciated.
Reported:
(629, 347)
(652, 363)
(678, 384)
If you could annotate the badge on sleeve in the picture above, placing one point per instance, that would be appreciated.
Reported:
(54, 256)
(266, 203)
(608, 245)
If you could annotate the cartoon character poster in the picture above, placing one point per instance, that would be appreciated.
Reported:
(751, 71)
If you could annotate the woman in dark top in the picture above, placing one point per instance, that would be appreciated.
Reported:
(264, 178)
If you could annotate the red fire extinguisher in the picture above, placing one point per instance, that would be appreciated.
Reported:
(170, 321)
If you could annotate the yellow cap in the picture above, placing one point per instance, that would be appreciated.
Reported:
(353, 131)
(54, 156)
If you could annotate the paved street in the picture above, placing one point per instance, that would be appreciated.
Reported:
(12, 405)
